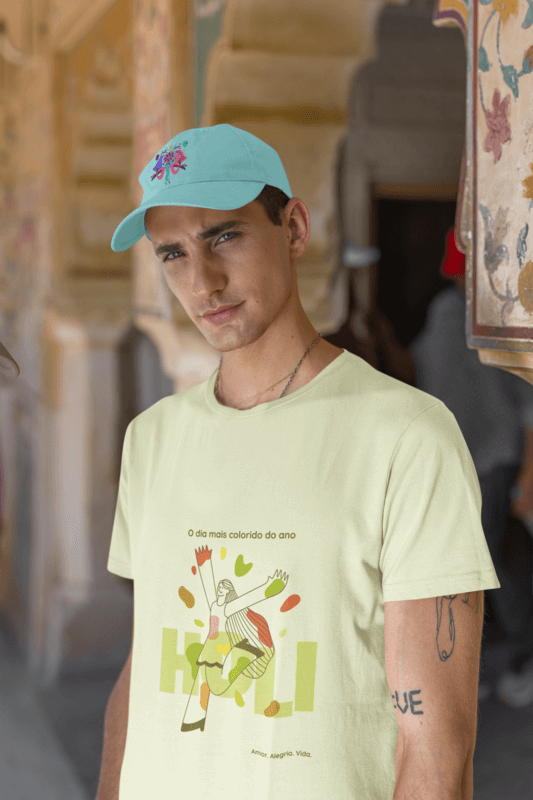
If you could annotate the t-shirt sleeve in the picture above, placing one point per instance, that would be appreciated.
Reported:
(119, 560)
(433, 540)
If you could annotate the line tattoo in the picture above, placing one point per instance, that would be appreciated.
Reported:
(446, 632)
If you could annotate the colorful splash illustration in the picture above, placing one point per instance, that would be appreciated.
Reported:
(272, 709)
(233, 626)
(290, 602)
(186, 596)
(241, 568)
(169, 160)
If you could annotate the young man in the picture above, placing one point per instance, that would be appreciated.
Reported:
(303, 531)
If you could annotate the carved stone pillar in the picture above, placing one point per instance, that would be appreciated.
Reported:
(25, 217)
(163, 36)
(76, 484)
(85, 310)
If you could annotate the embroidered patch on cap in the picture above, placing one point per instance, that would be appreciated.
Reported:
(169, 160)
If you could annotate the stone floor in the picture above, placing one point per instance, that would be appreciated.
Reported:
(51, 742)
(503, 761)
(33, 760)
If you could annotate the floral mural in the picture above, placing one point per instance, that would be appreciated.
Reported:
(502, 83)
(499, 130)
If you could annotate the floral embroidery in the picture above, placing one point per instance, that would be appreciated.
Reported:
(498, 125)
(169, 160)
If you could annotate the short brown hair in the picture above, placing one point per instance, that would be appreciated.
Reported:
(273, 201)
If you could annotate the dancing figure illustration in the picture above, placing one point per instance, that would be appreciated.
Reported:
(233, 626)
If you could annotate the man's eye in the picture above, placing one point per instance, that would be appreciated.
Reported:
(228, 233)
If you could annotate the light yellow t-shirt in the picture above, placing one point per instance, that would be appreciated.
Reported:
(263, 545)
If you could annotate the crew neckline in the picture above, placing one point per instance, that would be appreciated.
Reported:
(271, 405)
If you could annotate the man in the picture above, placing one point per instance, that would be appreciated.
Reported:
(303, 531)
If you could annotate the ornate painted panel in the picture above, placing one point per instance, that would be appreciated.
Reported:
(500, 107)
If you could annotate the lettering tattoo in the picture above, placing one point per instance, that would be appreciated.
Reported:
(445, 643)
(409, 704)
(446, 622)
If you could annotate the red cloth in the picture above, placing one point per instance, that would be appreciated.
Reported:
(454, 260)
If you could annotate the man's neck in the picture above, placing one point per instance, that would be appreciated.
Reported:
(318, 357)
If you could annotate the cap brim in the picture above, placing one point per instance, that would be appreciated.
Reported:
(221, 195)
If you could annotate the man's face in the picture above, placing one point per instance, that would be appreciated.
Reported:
(250, 263)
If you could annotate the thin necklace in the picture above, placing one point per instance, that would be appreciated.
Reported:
(275, 384)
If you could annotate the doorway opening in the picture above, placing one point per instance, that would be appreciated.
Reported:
(411, 235)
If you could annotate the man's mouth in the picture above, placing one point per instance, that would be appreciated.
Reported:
(223, 314)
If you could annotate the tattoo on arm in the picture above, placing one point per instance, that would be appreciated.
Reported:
(446, 622)
(409, 703)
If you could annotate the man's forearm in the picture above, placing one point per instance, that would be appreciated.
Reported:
(424, 775)
(115, 729)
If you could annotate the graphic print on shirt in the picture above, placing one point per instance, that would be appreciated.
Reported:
(232, 626)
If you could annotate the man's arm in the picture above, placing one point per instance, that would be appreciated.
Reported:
(205, 568)
(115, 729)
(270, 588)
(432, 657)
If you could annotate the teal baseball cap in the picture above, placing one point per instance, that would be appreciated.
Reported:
(219, 166)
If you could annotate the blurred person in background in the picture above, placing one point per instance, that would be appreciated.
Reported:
(494, 409)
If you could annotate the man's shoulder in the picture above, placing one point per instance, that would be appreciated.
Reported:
(385, 395)
(166, 410)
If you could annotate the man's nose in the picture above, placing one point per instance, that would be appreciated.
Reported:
(207, 276)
